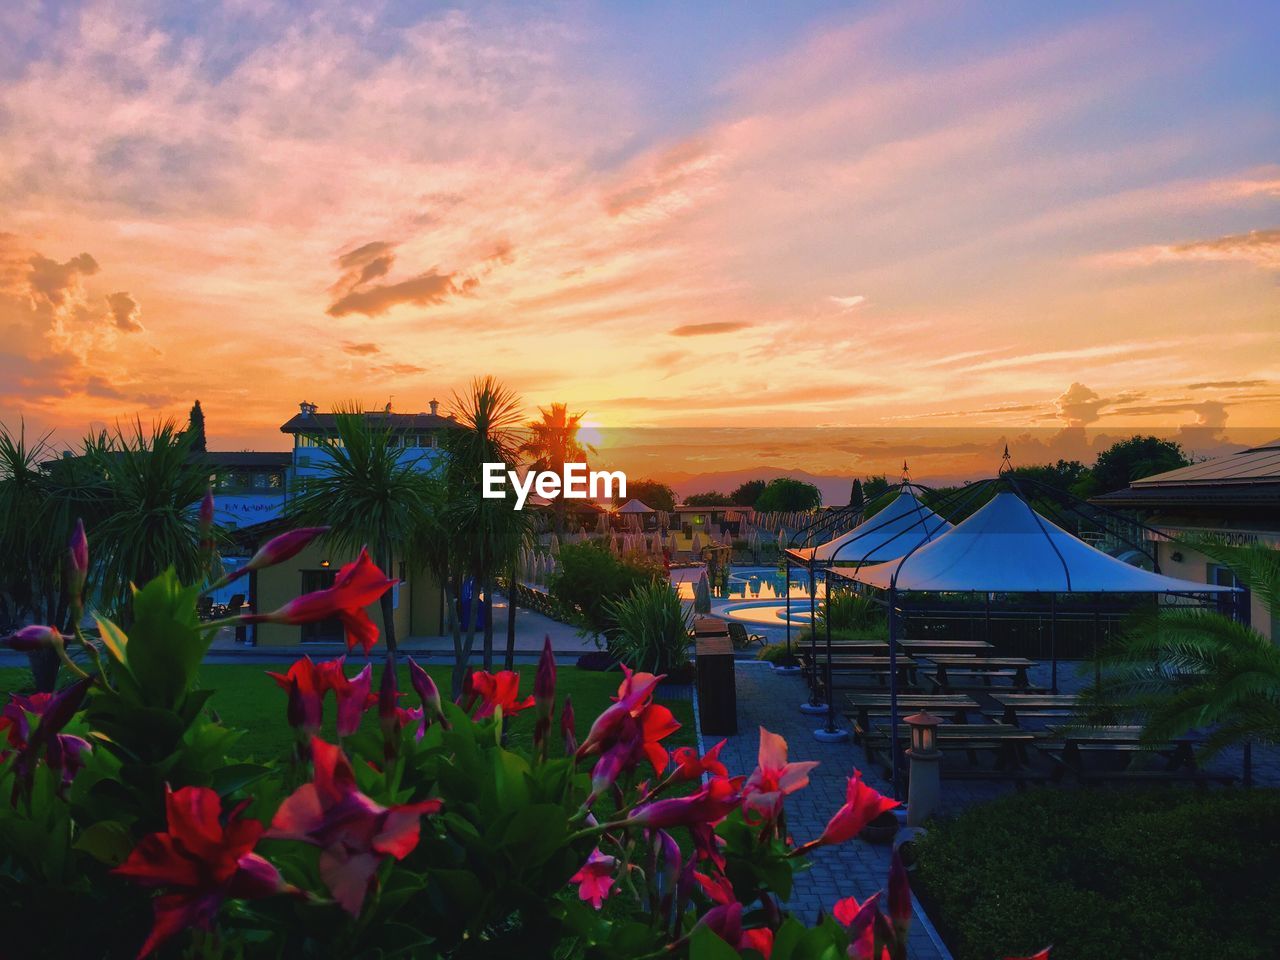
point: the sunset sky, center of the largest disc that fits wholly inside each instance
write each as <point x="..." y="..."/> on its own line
<point x="1005" y="215"/>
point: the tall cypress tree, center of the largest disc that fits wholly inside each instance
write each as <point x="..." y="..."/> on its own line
<point x="196" y="429"/>
<point x="856" y="499"/>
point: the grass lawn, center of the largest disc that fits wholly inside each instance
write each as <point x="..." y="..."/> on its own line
<point x="248" y="699"/>
<point x="1108" y="874"/>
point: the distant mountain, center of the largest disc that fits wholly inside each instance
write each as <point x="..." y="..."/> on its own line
<point x="834" y="489"/>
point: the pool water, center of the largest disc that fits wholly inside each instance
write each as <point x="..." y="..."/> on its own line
<point x="757" y="595"/>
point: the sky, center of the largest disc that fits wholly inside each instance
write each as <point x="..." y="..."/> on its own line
<point x="1035" y="219"/>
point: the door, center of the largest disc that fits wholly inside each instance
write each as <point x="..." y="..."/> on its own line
<point x="323" y="631"/>
<point x="1237" y="606"/>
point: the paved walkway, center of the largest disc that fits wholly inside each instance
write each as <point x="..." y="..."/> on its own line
<point x="855" y="868"/>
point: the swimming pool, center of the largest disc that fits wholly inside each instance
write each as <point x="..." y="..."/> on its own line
<point x="757" y="595"/>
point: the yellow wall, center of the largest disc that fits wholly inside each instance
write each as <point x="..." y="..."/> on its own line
<point x="1195" y="566"/>
<point x="417" y="612"/>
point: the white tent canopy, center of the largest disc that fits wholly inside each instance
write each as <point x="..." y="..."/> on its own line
<point x="1006" y="547"/>
<point x="902" y="525"/>
<point x="635" y="506"/>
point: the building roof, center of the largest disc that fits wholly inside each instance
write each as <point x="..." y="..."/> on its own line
<point x="405" y="422"/>
<point x="1255" y="465"/>
<point x="246" y="458"/>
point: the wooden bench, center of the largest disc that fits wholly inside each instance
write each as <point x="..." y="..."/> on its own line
<point x="1012" y="706"/>
<point x="925" y="648"/>
<point x="877" y="667"/>
<point x="863" y="706"/>
<point x="1068" y="745"/>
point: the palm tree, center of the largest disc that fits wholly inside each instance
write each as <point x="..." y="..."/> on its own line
<point x="553" y="442"/>
<point x="1185" y="668"/>
<point x="488" y="534"/>
<point x="368" y="495"/>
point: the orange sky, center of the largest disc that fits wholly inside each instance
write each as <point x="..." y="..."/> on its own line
<point x="918" y="215"/>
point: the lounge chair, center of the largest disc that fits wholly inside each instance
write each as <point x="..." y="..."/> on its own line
<point x="742" y="640"/>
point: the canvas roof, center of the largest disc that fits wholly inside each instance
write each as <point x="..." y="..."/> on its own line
<point x="903" y="524"/>
<point x="1006" y="547"/>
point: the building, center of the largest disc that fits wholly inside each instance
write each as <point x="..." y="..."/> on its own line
<point x="257" y="488"/>
<point x="1236" y="497"/>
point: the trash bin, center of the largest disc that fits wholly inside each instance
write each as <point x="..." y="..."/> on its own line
<point x="717" y="695"/>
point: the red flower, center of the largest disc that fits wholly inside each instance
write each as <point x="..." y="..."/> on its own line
<point x="725" y="920"/>
<point x="860" y="919"/>
<point x="711" y="804"/>
<point x="496" y="690"/>
<point x="1042" y="955"/>
<point x="204" y="860"/>
<point x="595" y="878"/>
<point x="689" y="766"/>
<point x="306" y="683"/>
<point x="862" y="805"/>
<point x="635" y="720"/>
<point x="774" y="778"/>
<point x="357" y="585"/>
<point x="353" y="832"/>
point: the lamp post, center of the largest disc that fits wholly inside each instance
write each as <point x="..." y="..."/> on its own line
<point x="926" y="768"/>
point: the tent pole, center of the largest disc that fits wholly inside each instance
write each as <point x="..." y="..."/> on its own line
<point x="831" y="700"/>
<point x="1053" y="638"/>
<point x="893" y="692"/>
<point x="813" y="635"/>
<point x="786" y="588"/>
<point x="1097" y="639"/>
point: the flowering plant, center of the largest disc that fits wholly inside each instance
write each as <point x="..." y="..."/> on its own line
<point x="429" y="833"/>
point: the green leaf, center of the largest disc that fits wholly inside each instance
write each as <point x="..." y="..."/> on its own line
<point x="114" y="639"/>
<point x="166" y="644"/>
<point x="107" y="841"/>
<point x="238" y="776"/>
<point x="705" y="944"/>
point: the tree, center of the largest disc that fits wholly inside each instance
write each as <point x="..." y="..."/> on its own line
<point x="788" y="494"/>
<point x="653" y="494"/>
<point x="489" y="533"/>
<point x="856" y="497"/>
<point x="1061" y="476"/>
<point x="1132" y="459"/>
<point x="553" y="442"/>
<point x="711" y="498"/>
<point x="367" y="495"/>
<point x="195" y="427"/>
<point x="148" y="522"/>
<point x="1186" y="668"/>
<point x="748" y="493"/>
<point x="873" y="487"/>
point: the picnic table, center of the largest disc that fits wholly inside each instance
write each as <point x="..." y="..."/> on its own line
<point x="926" y="648"/>
<point x="1008" y="744"/>
<point x="877" y="666"/>
<point x="987" y="668"/>
<point x="863" y="705"/>
<point x="1126" y="739"/>
<point x="1024" y="705"/>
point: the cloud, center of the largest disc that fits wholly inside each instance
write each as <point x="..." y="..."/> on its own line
<point x="124" y="312"/>
<point x="55" y="283"/>
<point x="708" y="329"/>
<point x="427" y="289"/>
<point x="361" y="349"/>
<point x="365" y="263"/>
<point x="1226" y="384"/>
<point x="1258" y="247"/>
<point x="1078" y="406"/>
<point x="848" y="303"/>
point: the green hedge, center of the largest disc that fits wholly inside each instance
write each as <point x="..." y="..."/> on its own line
<point x="1106" y="875"/>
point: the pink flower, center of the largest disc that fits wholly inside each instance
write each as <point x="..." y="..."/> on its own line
<point x="862" y="805"/>
<point x="689" y="766"/>
<point x="635" y="695"/>
<point x="595" y="878"/>
<point x="279" y="549"/>
<point x="353" y="696"/>
<point x="496" y="690"/>
<point x="567" y="727"/>
<point x="428" y="693"/>
<point x="203" y="860"/>
<point x="77" y="563"/>
<point x="354" y="833"/>
<point x="774" y="778"/>
<point x="357" y="585"/>
<point x="34" y="637"/>
<point x="711" y="804"/>
<point x="860" y="919"/>
<point x="62" y="752"/>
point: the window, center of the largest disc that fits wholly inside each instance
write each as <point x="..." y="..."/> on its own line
<point x="1237" y="606"/>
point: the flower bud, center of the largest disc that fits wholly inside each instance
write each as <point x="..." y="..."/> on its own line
<point x="77" y="563"/>
<point x="34" y="637"/>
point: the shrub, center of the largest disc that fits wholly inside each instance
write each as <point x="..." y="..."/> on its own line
<point x="651" y="628"/>
<point x="851" y="611"/>
<point x="1161" y="875"/>
<point x="590" y="575"/>
<point x="776" y="653"/>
